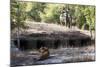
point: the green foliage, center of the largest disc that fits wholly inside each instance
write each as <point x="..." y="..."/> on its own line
<point x="34" y="13"/>
<point x="51" y="13"/>
<point x="82" y="16"/>
<point x="18" y="14"/>
<point x="85" y="16"/>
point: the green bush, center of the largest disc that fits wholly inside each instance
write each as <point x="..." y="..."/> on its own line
<point x="51" y="13"/>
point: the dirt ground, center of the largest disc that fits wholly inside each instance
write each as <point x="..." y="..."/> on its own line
<point x="61" y="55"/>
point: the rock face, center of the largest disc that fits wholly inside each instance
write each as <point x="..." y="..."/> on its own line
<point x="52" y="36"/>
<point x="35" y="41"/>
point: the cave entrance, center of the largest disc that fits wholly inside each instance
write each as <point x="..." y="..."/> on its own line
<point x="57" y="44"/>
<point x="23" y="44"/>
<point x="40" y="43"/>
